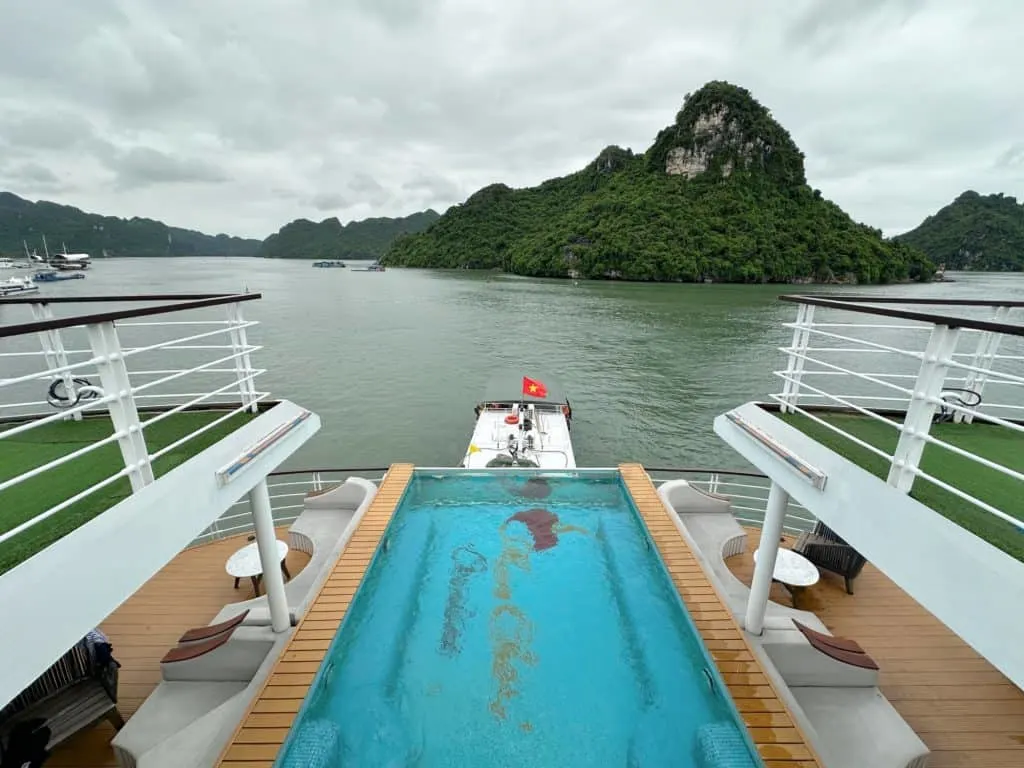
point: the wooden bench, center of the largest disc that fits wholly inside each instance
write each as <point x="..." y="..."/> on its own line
<point x="76" y="692"/>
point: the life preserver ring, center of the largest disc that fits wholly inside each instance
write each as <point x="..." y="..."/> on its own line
<point x="512" y="419"/>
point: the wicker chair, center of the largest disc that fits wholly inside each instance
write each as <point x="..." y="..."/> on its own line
<point x="827" y="549"/>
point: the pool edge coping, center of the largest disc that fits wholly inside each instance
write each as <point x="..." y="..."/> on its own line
<point x="635" y="473"/>
<point x="368" y="533"/>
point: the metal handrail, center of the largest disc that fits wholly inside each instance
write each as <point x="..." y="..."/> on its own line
<point x="855" y="304"/>
<point x="939" y="368"/>
<point x="183" y="302"/>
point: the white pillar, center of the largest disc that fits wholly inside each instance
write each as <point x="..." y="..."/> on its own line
<point x="266" y="542"/>
<point x="55" y="355"/>
<point x="767" y="551"/>
<point x="114" y="380"/>
<point x="243" y="361"/>
<point x="984" y="357"/>
<point x="931" y="377"/>
<point x="795" y="365"/>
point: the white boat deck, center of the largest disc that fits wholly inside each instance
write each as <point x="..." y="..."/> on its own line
<point x="552" y="445"/>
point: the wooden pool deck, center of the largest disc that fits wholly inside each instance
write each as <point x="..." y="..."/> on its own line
<point x="966" y="712"/>
<point x="262" y="732"/>
<point x="187" y="592"/>
<point x="779" y="739"/>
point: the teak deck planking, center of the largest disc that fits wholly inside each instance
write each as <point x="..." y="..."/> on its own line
<point x="187" y="592"/>
<point x="262" y="732"/>
<point x="779" y="739"/>
<point x="966" y="712"/>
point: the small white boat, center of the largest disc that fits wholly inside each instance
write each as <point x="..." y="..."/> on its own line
<point x="523" y="421"/>
<point x="17" y="285"/>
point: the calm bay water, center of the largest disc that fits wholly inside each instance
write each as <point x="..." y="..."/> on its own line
<point x="394" y="362"/>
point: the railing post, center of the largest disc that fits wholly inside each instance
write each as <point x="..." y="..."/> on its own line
<point x="795" y="365"/>
<point x="924" y="402"/>
<point x="106" y="349"/>
<point x="243" y="363"/>
<point x="984" y="356"/>
<point x="767" y="552"/>
<point x="55" y="355"/>
<point x="266" y="543"/>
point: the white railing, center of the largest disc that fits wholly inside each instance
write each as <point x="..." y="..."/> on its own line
<point x="287" y="490"/>
<point x="747" y="490"/>
<point x="901" y="364"/>
<point x="131" y="369"/>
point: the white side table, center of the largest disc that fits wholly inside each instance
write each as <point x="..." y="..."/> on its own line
<point x="793" y="571"/>
<point x="245" y="563"/>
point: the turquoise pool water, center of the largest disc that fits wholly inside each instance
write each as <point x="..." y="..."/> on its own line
<point x="517" y="620"/>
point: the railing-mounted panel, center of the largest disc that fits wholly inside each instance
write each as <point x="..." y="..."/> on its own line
<point x="963" y="580"/>
<point x="70" y="586"/>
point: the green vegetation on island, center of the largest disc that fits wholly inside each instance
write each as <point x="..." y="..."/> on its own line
<point x="721" y="195"/>
<point x="367" y="239"/>
<point x="22" y="221"/>
<point x="974" y="232"/>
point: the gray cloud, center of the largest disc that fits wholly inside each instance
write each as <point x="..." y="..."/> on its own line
<point x="223" y="119"/>
<point x="1013" y="156"/>
<point x="329" y="201"/>
<point x="823" y="23"/>
<point x="145" y="166"/>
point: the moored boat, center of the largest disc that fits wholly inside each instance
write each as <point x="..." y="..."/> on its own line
<point x="375" y="267"/>
<point x="54" y="275"/>
<point x="17" y="285"/>
<point x="329" y="264"/>
<point x="522" y="421"/>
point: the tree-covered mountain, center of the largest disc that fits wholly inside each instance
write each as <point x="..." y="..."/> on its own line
<point x="367" y="239"/>
<point x="721" y="195"/>
<point x="981" y="232"/>
<point x="22" y="220"/>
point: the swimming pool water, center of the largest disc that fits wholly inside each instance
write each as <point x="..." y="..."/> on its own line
<point x="517" y="620"/>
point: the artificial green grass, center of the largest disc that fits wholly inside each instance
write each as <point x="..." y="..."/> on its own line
<point x="992" y="442"/>
<point x="41" y="445"/>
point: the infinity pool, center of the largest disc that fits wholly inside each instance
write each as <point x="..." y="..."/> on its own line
<point x="517" y="620"/>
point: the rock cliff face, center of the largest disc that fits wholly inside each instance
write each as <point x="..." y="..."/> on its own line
<point x="722" y="128"/>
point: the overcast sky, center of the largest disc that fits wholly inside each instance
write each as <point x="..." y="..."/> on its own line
<point x="240" y="115"/>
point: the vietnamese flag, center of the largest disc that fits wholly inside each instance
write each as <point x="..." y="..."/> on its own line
<point x="534" y="388"/>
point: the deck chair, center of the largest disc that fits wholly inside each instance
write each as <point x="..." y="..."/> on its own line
<point x="827" y="549"/>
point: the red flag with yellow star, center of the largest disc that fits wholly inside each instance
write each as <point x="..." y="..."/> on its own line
<point x="534" y="388"/>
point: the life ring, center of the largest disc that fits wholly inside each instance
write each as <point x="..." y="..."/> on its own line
<point x="512" y="419"/>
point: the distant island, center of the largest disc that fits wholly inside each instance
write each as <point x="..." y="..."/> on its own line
<point x="721" y="195"/>
<point x="22" y="220"/>
<point x="974" y="232"/>
<point x="367" y="239"/>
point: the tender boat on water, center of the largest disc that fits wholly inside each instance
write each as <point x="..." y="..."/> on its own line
<point x="523" y="421"/>
<point x="17" y="285"/>
<point x="329" y="264"/>
<point x="54" y="275"/>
